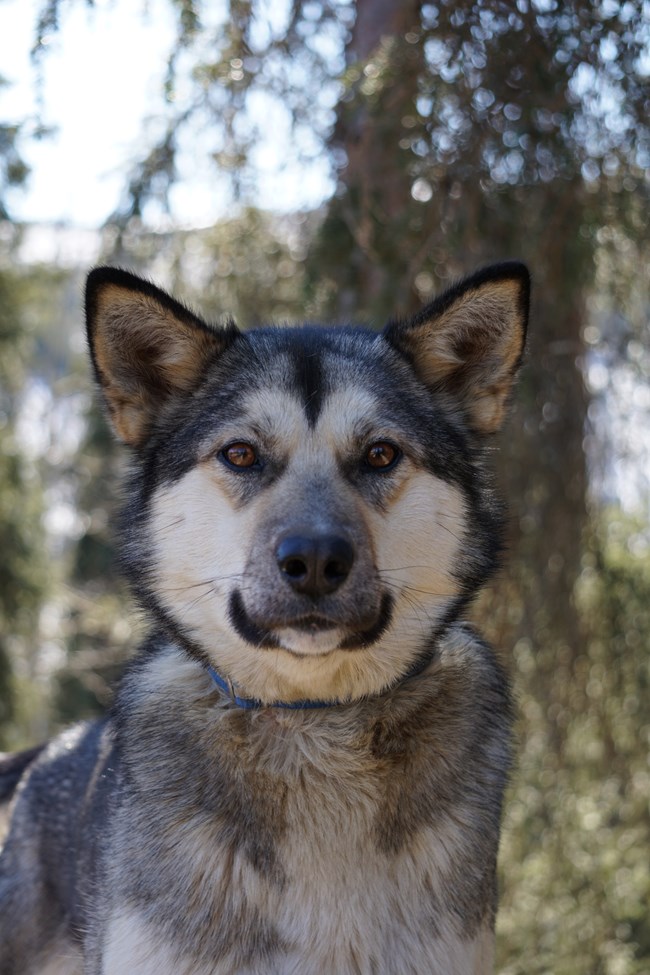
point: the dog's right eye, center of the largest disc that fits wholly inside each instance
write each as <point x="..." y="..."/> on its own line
<point x="382" y="456"/>
<point x="240" y="455"/>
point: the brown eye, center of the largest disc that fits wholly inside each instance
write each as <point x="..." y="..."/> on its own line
<point x="240" y="455"/>
<point x="381" y="456"/>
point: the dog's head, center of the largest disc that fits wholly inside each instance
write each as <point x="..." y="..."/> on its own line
<point x="308" y="507"/>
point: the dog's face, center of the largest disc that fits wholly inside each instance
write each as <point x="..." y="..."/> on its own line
<point x="308" y="506"/>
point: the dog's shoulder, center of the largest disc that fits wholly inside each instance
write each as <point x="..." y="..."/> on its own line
<point x="56" y="822"/>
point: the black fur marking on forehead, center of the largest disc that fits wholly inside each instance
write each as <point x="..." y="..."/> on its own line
<point x="306" y="353"/>
<point x="311" y="351"/>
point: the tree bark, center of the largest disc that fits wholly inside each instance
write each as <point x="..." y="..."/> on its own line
<point x="371" y="217"/>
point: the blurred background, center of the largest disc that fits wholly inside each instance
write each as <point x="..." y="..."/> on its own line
<point x="333" y="160"/>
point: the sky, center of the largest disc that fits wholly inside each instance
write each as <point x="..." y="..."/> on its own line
<point x="102" y="77"/>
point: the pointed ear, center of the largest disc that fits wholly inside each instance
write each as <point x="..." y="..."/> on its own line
<point x="468" y="343"/>
<point x="146" y="348"/>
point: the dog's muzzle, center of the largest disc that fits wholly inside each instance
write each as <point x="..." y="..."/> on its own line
<point x="311" y="588"/>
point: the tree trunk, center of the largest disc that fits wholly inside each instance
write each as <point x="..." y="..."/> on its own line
<point x="371" y="220"/>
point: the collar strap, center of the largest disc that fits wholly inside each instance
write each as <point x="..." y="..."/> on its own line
<point x="253" y="704"/>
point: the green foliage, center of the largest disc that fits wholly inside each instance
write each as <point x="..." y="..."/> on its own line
<point x="23" y="566"/>
<point x="576" y="887"/>
<point x="96" y="627"/>
<point x="13" y="170"/>
<point x="250" y="267"/>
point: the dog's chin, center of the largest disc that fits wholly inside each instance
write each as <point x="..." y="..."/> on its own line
<point x="312" y="642"/>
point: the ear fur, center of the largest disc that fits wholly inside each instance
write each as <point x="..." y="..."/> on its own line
<point x="146" y="348"/>
<point x="468" y="343"/>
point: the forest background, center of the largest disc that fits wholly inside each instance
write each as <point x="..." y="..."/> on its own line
<point x="445" y="136"/>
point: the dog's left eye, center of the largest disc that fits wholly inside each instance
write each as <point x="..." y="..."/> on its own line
<point x="240" y="455"/>
<point x="382" y="455"/>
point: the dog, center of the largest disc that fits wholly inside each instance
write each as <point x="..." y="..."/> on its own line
<point x="303" y="770"/>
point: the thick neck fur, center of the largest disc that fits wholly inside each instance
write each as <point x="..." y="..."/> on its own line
<point x="343" y="839"/>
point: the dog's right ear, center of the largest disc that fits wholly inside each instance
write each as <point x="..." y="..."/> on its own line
<point x="468" y="343"/>
<point x="146" y="348"/>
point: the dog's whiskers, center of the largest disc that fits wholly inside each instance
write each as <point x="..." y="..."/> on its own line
<point x="165" y="528"/>
<point x="401" y="588"/>
<point x="447" y="529"/>
<point x="194" y="585"/>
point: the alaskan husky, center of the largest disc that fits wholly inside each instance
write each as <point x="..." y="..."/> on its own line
<point x="304" y="767"/>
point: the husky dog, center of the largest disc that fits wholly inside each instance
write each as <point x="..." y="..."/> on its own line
<point x="303" y="770"/>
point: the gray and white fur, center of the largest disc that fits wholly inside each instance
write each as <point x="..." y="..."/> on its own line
<point x="303" y="770"/>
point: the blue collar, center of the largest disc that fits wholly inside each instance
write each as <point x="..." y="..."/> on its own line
<point x="253" y="704"/>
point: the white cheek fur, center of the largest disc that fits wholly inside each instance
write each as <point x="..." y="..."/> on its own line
<point x="202" y="545"/>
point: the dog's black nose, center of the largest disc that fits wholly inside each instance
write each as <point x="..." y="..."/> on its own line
<point x="315" y="566"/>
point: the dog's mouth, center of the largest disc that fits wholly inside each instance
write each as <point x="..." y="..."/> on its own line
<point x="310" y="634"/>
<point x="313" y="624"/>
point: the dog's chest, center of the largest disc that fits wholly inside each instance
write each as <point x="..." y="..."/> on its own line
<point x="301" y="852"/>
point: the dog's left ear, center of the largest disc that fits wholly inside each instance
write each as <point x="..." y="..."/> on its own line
<point x="147" y="349"/>
<point x="468" y="343"/>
